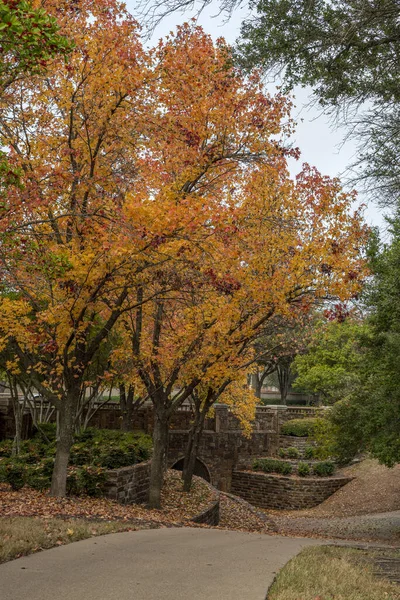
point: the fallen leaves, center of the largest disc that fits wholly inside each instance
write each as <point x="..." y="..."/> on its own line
<point x="178" y="508"/>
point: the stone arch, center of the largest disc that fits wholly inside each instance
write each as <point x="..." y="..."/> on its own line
<point x="200" y="468"/>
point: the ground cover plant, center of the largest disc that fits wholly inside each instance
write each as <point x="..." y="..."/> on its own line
<point x="271" y="465"/>
<point x="341" y="574"/>
<point x="93" y="453"/>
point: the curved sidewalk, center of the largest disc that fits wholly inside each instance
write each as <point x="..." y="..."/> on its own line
<point x="159" y="564"/>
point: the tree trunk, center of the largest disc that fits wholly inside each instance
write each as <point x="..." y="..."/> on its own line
<point x="126" y="402"/>
<point x="18" y="410"/>
<point x="65" y="438"/>
<point x="284" y="373"/>
<point x="192" y="449"/>
<point x="257" y="385"/>
<point x="160" y="443"/>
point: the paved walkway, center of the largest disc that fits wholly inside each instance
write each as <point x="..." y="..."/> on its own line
<point x="159" y="564"/>
<point x="379" y="527"/>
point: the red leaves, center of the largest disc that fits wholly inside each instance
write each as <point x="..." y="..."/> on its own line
<point x="338" y="313"/>
<point x="225" y="284"/>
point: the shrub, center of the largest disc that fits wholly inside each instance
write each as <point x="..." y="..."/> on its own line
<point x="86" y="480"/>
<point x="299" y="427"/>
<point x="282" y="452"/>
<point x="293" y="452"/>
<point x="6" y="448"/>
<point x="46" y="432"/>
<point x="309" y="452"/>
<point x="270" y="465"/>
<point x="13" y="473"/>
<point x="303" y="469"/>
<point x="324" y="468"/>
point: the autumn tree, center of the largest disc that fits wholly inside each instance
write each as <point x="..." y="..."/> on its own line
<point x="253" y="241"/>
<point x="156" y="197"/>
<point x="69" y="253"/>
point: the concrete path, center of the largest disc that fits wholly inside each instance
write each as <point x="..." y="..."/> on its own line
<point x="158" y="564"/>
<point x="378" y="527"/>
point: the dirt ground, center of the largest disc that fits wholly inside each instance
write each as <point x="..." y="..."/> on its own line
<point x="375" y="489"/>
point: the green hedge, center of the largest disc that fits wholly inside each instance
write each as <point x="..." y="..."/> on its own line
<point x="93" y="453"/>
<point x="270" y="465"/>
<point x="299" y="427"/>
<point x="324" y="469"/>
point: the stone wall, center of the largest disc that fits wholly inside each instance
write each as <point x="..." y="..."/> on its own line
<point x="279" y="492"/>
<point x="129" y="485"/>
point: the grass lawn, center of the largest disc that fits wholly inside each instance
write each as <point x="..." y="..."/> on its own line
<point x="23" y="535"/>
<point x="332" y="573"/>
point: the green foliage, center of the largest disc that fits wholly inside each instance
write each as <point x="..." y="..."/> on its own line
<point x="347" y="51"/>
<point x="282" y="453"/>
<point x="303" y="469"/>
<point x="309" y="452"/>
<point x="29" y="38"/>
<point x="343" y="49"/>
<point x="367" y="419"/>
<point x="92" y="455"/>
<point x="324" y="469"/>
<point x="330" y="367"/>
<point x="292" y="453"/>
<point x="299" y="427"/>
<point x="6" y="448"/>
<point x="270" y="465"/>
<point x="12" y="472"/>
<point x="86" y="480"/>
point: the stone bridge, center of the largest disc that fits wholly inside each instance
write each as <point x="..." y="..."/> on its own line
<point x="224" y="448"/>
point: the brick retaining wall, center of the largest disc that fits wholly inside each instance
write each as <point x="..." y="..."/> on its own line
<point x="129" y="485"/>
<point x="210" y="516"/>
<point x="276" y="491"/>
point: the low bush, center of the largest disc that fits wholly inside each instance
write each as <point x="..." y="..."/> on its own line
<point x="292" y="453"/>
<point x="309" y="452"/>
<point x="12" y="472"/>
<point x="86" y="480"/>
<point x="299" y="427"/>
<point x="303" y="469"/>
<point x="270" y="465"/>
<point x="282" y="452"/>
<point x="324" y="468"/>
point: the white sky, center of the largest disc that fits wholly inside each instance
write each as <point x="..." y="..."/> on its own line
<point x="321" y="145"/>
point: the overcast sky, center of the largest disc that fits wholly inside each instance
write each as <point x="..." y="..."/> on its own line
<point x="321" y="145"/>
